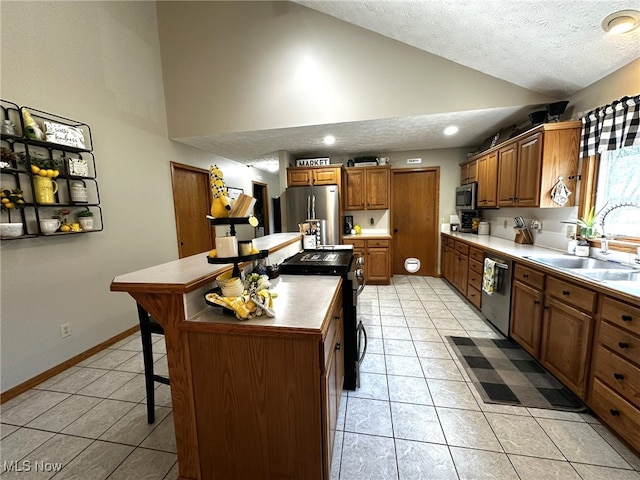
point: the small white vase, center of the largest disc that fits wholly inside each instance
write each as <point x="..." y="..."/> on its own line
<point x="86" y="223"/>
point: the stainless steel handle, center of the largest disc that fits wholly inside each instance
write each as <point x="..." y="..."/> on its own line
<point x="308" y="206"/>
<point x="361" y="285"/>
<point x="313" y="206"/>
<point x="502" y="265"/>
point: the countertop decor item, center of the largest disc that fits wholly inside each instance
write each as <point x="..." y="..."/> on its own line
<point x="588" y="224"/>
<point x="11" y="230"/>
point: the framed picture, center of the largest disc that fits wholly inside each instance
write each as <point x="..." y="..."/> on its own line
<point x="234" y="192"/>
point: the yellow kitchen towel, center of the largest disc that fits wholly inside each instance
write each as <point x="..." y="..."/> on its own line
<point x="489" y="277"/>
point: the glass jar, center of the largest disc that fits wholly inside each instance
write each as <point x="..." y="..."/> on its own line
<point x="7" y="127"/>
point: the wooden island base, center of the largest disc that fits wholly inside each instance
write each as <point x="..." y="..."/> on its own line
<point x="253" y="399"/>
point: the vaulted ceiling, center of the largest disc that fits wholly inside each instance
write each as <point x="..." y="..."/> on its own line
<point x="552" y="47"/>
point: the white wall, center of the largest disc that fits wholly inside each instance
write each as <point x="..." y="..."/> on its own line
<point x="97" y="62"/>
<point x="265" y="65"/>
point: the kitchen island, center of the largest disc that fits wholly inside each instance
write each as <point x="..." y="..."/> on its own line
<point x="256" y="398"/>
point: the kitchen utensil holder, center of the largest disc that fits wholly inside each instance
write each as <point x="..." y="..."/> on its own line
<point x="523" y="236"/>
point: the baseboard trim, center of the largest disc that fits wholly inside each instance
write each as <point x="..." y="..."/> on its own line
<point x="52" y="372"/>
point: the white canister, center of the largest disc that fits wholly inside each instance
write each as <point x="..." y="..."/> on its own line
<point x="78" y="192"/>
<point x="483" y="228"/>
<point x="309" y="242"/>
<point x="227" y="246"/>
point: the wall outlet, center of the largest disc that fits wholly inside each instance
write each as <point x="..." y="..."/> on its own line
<point x="536" y="225"/>
<point x="571" y="231"/>
<point x="65" y="330"/>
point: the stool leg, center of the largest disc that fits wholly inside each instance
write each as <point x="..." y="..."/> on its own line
<point x="147" y="357"/>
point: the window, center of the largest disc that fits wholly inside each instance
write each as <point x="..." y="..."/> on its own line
<point x="618" y="192"/>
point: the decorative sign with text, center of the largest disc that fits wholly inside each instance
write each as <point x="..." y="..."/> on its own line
<point x="312" y="162"/>
<point x="63" y="134"/>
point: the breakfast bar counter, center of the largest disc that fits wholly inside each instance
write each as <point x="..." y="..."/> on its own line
<point x="255" y="398"/>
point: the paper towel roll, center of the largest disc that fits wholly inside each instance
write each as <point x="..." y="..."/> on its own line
<point x="227" y="246"/>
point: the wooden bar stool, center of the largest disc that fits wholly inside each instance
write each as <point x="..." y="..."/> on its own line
<point x="148" y="325"/>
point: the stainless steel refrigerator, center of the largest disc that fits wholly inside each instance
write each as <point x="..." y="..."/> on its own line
<point x="320" y="203"/>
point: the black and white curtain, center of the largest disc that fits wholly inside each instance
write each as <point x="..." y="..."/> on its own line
<point x="611" y="127"/>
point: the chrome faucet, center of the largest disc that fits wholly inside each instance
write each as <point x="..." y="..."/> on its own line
<point x="604" y="246"/>
<point x="608" y="210"/>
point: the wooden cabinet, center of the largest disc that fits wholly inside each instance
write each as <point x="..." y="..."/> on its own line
<point x="487" y="180"/>
<point x="377" y="258"/>
<point x="565" y="347"/>
<point x="614" y="394"/>
<point x="461" y="265"/>
<point x="366" y="188"/>
<point x="526" y="308"/>
<point x="309" y="176"/>
<point x="469" y="172"/>
<point x="332" y="382"/>
<point x="527" y="167"/>
<point x="519" y="172"/>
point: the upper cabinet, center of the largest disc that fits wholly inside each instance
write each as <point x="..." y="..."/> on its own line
<point x="309" y="176"/>
<point x="469" y="172"/>
<point x="366" y="188"/>
<point x="528" y="167"/>
<point x="487" y="173"/>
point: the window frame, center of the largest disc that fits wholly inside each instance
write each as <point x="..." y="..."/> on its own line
<point x="589" y="174"/>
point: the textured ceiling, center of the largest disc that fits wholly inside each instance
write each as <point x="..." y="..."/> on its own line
<point x="548" y="46"/>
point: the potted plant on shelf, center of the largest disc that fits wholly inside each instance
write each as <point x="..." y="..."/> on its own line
<point x="85" y="219"/>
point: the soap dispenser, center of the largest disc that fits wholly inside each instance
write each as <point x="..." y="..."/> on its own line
<point x="571" y="246"/>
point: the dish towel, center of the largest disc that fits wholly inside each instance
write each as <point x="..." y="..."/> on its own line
<point x="560" y="193"/>
<point x="489" y="277"/>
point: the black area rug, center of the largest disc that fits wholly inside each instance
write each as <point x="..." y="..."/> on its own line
<point x="504" y="373"/>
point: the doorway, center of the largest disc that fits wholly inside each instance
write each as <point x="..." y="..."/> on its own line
<point x="415" y="194"/>
<point x="261" y="208"/>
<point x="191" y="205"/>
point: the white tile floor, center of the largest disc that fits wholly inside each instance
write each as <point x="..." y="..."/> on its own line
<point x="416" y="415"/>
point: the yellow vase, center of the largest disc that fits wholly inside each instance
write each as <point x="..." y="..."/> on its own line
<point x="45" y="189"/>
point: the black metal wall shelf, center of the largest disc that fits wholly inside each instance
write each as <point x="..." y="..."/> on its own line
<point x="19" y="170"/>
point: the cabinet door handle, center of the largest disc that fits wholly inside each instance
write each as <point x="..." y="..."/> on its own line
<point x="623" y="345"/>
<point x="536" y="302"/>
<point x="614" y="412"/>
<point x="337" y="346"/>
<point x="546" y="307"/>
<point x="618" y="376"/>
<point x="566" y="292"/>
<point x="525" y="275"/>
<point x="626" y="318"/>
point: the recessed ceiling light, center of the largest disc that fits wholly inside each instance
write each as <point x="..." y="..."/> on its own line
<point x="329" y="140"/>
<point x="451" y="130"/>
<point x="621" y="22"/>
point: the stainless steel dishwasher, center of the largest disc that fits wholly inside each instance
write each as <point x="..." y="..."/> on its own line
<point x="496" y="307"/>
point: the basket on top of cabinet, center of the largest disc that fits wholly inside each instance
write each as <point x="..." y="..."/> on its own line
<point x="48" y="173"/>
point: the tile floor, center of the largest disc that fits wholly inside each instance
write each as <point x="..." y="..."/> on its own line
<point x="416" y="415"/>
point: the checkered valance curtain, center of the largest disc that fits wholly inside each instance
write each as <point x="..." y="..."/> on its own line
<point x="611" y="127"/>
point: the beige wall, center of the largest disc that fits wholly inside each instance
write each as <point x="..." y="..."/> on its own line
<point x="625" y="81"/>
<point x="98" y="63"/>
<point x="244" y="66"/>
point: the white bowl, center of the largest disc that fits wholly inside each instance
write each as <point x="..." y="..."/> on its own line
<point x="11" y="229"/>
<point x="223" y="277"/>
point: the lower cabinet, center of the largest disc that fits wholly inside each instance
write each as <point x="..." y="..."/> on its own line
<point x="566" y="342"/>
<point x="527" y="297"/>
<point x="332" y="384"/>
<point x="614" y="393"/>
<point x="461" y="265"/>
<point x="377" y="258"/>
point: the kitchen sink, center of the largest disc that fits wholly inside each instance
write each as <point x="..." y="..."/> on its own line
<point x="611" y="275"/>
<point x="571" y="263"/>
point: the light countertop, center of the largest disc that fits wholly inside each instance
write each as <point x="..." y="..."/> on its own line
<point x="520" y="252"/>
<point x="189" y="272"/>
<point x="366" y="235"/>
<point x="302" y="304"/>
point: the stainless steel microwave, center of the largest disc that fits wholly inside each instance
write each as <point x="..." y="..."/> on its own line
<point x="466" y="196"/>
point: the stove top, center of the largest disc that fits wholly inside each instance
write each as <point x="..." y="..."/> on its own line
<point x="318" y="262"/>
